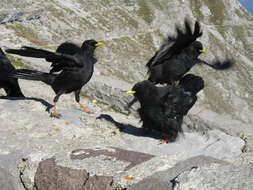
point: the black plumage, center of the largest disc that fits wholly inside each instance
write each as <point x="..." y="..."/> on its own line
<point x="75" y="66"/>
<point x="191" y="84"/>
<point x="162" y="108"/>
<point x="10" y="85"/>
<point x="179" y="54"/>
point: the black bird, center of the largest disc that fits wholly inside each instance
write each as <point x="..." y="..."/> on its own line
<point x="154" y="112"/>
<point x="75" y="66"/>
<point x="10" y="85"/>
<point x="163" y="108"/>
<point x="179" y="54"/>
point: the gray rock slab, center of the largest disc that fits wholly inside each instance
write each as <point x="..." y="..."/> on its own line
<point x="8" y="181"/>
<point x="9" y="174"/>
<point x="217" y="177"/>
<point x="165" y="180"/>
<point x="212" y="143"/>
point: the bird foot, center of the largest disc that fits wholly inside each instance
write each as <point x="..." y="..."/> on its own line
<point x="86" y="111"/>
<point x="164" y="141"/>
<point x="55" y="115"/>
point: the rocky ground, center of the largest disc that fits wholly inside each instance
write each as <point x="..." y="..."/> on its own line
<point x="106" y="149"/>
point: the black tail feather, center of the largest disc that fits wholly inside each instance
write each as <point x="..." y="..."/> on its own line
<point x="33" y="75"/>
<point x="218" y="65"/>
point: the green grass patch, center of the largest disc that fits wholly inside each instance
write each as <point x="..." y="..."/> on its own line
<point x="86" y="95"/>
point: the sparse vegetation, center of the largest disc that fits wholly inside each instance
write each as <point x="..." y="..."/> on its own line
<point x="17" y="62"/>
<point x="26" y="32"/>
<point x="145" y="11"/>
<point x="217" y="8"/>
<point x="115" y="109"/>
<point x="86" y="95"/>
<point x="157" y="4"/>
<point x="104" y="105"/>
<point x="196" y="7"/>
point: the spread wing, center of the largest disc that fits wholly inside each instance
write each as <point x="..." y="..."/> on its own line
<point x="175" y="44"/>
<point x="65" y="48"/>
<point x="62" y="59"/>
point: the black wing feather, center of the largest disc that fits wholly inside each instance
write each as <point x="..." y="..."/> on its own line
<point x="61" y="58"/>
<point x="65" y="48"/>
<point x="174" y="45"/>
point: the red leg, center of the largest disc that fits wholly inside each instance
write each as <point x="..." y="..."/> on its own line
<point x="55" y="114"/>
<point x="84" y="109"/>
<point x="164" y="141"/>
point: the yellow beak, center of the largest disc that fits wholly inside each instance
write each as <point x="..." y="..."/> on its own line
<point x="99" y="44"/>
<point x="203" y="51"/>
<point x="130" y="92"/>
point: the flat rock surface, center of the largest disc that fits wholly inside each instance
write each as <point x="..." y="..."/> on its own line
<point x="101" y="143"/>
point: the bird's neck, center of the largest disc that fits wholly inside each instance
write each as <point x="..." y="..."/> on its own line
<point x="88" y="50"/>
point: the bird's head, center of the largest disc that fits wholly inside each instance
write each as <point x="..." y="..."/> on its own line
<point x="198" y="47"/>
<point x="142" y="90"/>
<point x="91" y="44"/>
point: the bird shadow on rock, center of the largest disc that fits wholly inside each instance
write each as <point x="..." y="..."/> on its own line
<point x="130" y="129"/>
<point x="42" y="101"/>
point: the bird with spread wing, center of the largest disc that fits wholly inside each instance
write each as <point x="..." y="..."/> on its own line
<point x="179" y="54"/>
<point x="10" y="85"/>
<point x="74" y="65"/>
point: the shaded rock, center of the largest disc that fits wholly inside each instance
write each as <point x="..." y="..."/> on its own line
<point x="217" y="177"/>
<point x="50" y="176"/>
<point x="35" y="15"/>
<point x="2" y="18"/>
<point x="99" y="183"/>
<point x="16" y="17"/>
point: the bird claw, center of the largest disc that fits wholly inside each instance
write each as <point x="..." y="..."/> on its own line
<point x="58" y="116"/>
